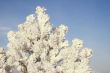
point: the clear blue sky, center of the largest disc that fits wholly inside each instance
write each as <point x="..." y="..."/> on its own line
<point x="88" y="20"/>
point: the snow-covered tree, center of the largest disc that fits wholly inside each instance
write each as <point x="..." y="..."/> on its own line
<point x="37" y="47"/>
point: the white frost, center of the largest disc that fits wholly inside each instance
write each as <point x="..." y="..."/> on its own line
<point x="37" y="47"/>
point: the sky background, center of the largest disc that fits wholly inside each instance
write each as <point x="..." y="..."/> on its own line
<point x="88" y="20"/>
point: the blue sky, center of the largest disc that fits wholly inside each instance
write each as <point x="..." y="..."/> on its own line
<point x="88" y="20"/>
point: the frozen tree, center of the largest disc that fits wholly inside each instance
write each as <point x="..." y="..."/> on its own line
<point x="37" y="47"/>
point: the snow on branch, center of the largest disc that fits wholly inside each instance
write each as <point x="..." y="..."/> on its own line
<point x="37" y="47"/>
